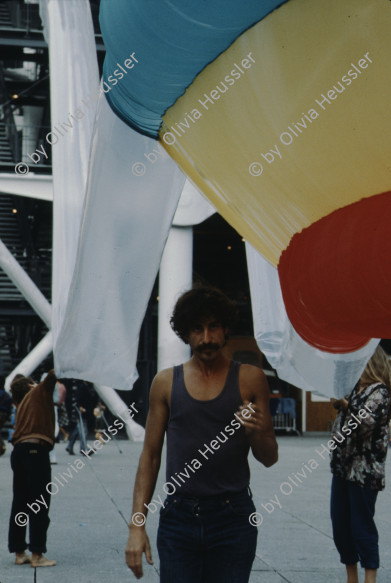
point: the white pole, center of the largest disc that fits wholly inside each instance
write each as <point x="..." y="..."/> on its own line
<point x="27" y="287"/>
<point x="118" y="408"/>
<point x="175" y="277"/>
<point x="33" y="359"/>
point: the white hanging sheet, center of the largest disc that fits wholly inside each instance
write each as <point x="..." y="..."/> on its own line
<point x="129" y="209"/>
<point x="74" y="84"/>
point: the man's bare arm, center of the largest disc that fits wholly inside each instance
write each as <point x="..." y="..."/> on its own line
<point x="259" y="427"/>
<point x="148" y="470"/>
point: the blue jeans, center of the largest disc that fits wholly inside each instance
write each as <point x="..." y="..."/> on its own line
<point x="79" y="431"/>
<point x="206" y="540"/>
<point x="354" y="530"/>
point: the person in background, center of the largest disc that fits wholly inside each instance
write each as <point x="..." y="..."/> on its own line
<point x="358" y="467"/>
<point x="63" y="420"/>
<point x="81" y="400"/>
<point x="100" y="424"/>
<point x="33" y="439"/>
<point x="11" y="430"/>
<point x="5" y="413"/>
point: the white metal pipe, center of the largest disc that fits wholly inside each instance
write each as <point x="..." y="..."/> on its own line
<point x="33" y="359"/>
<point x="175" y="277"/>
<point x="25" y="285"/>
<point x="304" y="411"/>
<point x="118" y="408"/>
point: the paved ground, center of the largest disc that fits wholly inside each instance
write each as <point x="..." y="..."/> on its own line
<point x="89" y="516"/>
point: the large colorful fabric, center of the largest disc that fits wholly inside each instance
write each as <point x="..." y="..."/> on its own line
<point x="155" y="49"/>
<point x="295" y="360"/>
<point x="286" y="118"/>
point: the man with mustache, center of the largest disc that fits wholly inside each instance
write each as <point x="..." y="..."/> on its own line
<point x="212" y="410"/>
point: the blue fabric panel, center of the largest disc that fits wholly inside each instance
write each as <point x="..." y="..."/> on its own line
<point x="172" y="41"/>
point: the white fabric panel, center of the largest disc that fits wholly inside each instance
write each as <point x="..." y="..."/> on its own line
<point x="296" y="361"/>
<point x="33" y="186"/>
<point x="193" y="207"/>
<point x="125" y="224"/>
<point x="74" y="76"/>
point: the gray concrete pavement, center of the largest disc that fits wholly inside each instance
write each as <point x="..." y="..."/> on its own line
<point x="89" y="516"/>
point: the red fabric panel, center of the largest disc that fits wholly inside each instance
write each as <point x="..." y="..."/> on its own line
<point x="336" y="277"/>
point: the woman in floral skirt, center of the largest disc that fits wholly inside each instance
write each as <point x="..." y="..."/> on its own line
<point x="360" y="435"/>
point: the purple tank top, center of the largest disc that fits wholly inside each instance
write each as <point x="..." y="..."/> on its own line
<point x="207" y="447"/>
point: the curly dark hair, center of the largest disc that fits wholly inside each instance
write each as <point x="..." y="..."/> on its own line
<point x="199" y="303"/>
<point x="20" y="386"/>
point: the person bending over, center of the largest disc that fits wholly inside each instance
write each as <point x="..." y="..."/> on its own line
<point x="33" y="439"/>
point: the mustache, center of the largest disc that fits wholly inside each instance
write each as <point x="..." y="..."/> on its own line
<point x="208" y="346"/>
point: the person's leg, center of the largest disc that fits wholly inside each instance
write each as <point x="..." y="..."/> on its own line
<point x="74" y="435"/>
<point x="179" y="542"/>
<point x="38" y="480"/>
<point x="65" y="434"/>
<point x="342" y="530"/>
<point x="230" y="540"/>
<point x="3" y="419"/>
<point x="352" y="573"/>
<point x="19" y="511"/>
<point x="370" y="575"/>
<point x="83" y="431"/>
<point x="365" y="535"/>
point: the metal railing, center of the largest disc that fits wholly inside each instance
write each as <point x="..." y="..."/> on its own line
<point x="9" y="122"/>
<point x="31" y="145"/>
<point x="24" y="16"/>
<point x="12" y="133"/>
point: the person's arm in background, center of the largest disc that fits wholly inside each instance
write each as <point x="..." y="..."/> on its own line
<point x="340" y="404"/>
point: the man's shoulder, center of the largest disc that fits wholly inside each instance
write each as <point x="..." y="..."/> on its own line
<point x="251" y="372"/>
<point x="161" y="385"/>
<point x="252" y="382"/>
<point x="164" y="378"/>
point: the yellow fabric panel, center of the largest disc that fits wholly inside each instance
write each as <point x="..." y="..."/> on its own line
<point x="339" y="155"/>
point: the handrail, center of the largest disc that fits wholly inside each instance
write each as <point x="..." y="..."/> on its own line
<point x="12" y="133"/>
<point x="24" y="16"/>
<point x="9" y="122"/>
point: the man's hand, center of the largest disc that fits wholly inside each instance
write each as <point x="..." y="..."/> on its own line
<point x="253" y="419"/>
<point x="255" y="416"/>
<point x="138" y="543"/>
